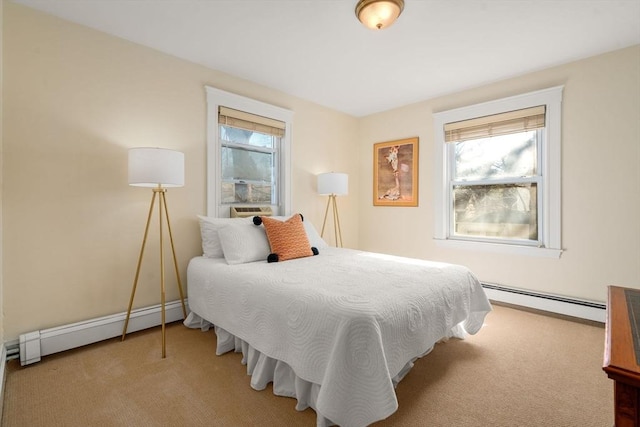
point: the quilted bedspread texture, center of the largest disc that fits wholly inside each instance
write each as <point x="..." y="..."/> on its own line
<point x="348" y="320"/>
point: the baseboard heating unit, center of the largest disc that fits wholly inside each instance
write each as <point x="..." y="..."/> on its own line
<point x="34" y="345"/>
<point x="547" y="302"/>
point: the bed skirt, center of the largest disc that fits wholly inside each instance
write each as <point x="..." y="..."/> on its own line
<point x="264" y="369"/>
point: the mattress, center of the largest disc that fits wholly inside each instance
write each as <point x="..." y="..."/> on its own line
<point x="346" y="324"/>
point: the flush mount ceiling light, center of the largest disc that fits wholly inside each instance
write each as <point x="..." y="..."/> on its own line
<point x="379" y="14"/>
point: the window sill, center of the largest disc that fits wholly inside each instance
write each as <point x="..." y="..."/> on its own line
<point x="499" y="248"/>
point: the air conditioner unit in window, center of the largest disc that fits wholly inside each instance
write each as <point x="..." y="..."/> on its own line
<point x="243" y="212"/>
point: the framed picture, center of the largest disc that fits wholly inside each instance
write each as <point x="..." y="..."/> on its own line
<point x="395" y="173"/>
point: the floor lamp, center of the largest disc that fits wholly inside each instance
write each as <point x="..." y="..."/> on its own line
<point x="158" y="169"/>
<point x="333" y="184"/>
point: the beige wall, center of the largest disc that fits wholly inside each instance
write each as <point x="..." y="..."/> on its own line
<point x="75" y="101"/>
<point x="600" y="181"/>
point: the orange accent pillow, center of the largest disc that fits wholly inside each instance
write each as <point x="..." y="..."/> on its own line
<point x="288" y="239"/>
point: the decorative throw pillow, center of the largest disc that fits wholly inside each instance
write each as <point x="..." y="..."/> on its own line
<point x="288" y="239"/>
<point x="312" y="234"/>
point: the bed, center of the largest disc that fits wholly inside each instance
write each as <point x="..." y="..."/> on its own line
<point x="337" y="330"/>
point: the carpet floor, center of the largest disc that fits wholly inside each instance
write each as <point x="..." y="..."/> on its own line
<point x="522" y="369"/>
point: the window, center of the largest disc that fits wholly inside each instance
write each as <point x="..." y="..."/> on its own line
<point x="499" y="170"/>
<point x="248" y="154"/>
<point x="249" y="157"/>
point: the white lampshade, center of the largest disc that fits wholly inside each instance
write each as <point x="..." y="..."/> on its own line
<point x="333" y="183"/>
<point x="150" y="167"/>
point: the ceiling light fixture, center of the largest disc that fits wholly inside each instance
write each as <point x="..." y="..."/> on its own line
<point x="379" y="14"/>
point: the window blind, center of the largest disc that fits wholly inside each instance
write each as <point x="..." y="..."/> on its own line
<point x="243" y="120"/>
<point x="496" y="124"/>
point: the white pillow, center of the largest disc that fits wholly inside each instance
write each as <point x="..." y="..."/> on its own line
<point x="314" y="238"/>
<point x="209" y="227"/>
<point x="244" y="242"/>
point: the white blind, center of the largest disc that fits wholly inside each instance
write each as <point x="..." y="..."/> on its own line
<point x="496" y="124"/>
<point x="243" y="120"/>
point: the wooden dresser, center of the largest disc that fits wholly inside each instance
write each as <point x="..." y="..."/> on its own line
<point x="622" y="353"/>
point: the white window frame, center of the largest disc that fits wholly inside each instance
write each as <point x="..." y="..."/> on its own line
<point x="217" y="98"/>
<point x="550" y="207"/>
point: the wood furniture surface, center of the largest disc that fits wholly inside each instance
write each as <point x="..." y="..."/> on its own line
<point x="622" y="353"/>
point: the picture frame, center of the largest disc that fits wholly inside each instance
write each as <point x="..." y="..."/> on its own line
<point x="395" y="173"/>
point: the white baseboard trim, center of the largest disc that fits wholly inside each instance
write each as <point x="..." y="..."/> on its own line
<point x="34" y="345"/>
<point x="582" y="309"/>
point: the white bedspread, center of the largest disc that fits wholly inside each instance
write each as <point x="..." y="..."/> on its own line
<point x="346" y="320"/>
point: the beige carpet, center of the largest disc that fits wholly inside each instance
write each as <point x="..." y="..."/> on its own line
<point x="521" y="369"/>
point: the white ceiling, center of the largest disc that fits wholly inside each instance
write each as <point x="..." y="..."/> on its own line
<point x="317" y="50"/>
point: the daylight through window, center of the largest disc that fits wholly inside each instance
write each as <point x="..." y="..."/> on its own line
<point x="495" y="176"/>
<point x="498" y="175"/>
<point x="248" y="154"/>
<point x="249" y="157"/>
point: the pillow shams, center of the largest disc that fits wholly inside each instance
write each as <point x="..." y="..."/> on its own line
<point x="212" y="247"/>
<point x="314" y="237"/>
<point x="243" y="242"/>
<point x="209" y="227"/>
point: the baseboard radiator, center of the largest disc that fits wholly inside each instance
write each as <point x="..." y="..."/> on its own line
<point x="34" y="345"/>
<point x="583" y="309"/>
